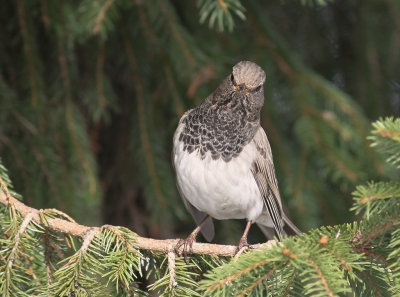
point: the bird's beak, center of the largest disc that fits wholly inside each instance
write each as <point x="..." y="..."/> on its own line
<point x="238" y="88"/>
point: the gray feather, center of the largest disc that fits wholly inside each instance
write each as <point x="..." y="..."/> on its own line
<point x="264" y="174"/>
<point x="268" y="231"/>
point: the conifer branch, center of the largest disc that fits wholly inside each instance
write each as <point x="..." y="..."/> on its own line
<point x="236" y="275"/>
<point x="154" y="245"/>
<point x="222" y="4"/>
<point x="100" y="74"/>
<point x="256" y="283"/>
<point x="88" y="237"/>
<point x="149" y="32"/>
<point x="322" y="277"/>
<point x="47" y="257"/>
<point x="101" y="15"/>
<point x="176" y="34"/>
<point x="6" y="283"/>
<point x="28" y="52"/>
<point x="332" y="157"/>
<point x="45" y="14"/>
<point x="69" y="115"/>
<point x="5" y="189"/>
<point x="145" y="139"/>
<point x="21" y="230"/>
<point x="171" y="268"/>
<point x="71" y="276"/>
<point x="379" y="230"/>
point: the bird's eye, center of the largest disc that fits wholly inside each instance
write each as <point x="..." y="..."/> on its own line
<point x="257" y="89"/>
<point x="233" y="80"/>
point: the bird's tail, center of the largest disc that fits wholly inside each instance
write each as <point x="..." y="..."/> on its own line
<point x="269" y="232"/>
<point x="288" y="229"/>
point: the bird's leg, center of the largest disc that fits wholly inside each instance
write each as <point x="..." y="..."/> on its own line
<point x="243" y="241"/>
<point x="188" y="242"/>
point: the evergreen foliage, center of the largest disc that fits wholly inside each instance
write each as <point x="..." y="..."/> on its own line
<point x="91" y="92"/>
<point x="360" y="259"/>
<point x="219" y="13"/>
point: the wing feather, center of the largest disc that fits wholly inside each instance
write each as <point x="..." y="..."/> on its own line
<point x="264" y="174"/>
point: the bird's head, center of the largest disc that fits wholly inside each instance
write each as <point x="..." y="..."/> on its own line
<point x="247" y="77"/>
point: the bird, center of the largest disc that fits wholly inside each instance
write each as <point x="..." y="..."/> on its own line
<point x="223" y="160"/>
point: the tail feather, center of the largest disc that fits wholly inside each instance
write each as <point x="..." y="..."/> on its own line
<point x="288" y="229"/>
<point x="289" y="225"/>
<point x="269" y="232"/>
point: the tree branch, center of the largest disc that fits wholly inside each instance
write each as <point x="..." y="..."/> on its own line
<point x="21" y="231"/>
<point x="154" y="245"/>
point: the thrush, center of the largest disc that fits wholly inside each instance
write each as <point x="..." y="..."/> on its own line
<point x="223" y="160"/>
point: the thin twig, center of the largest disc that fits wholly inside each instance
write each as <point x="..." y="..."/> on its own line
<point x="28" y="218"/>
<point x="87" y="239"/>
<point x="256" y="283"/>
<point x="237" y="274"/>
<point x="58" y="212"/>
<point x="5" y="189"/>
<point x="322" y="278"/>
<point x="101" y="15"/>
<point x="171" y="267"/>
<point x="47" y="257"/>
<point x="222" y="4"/>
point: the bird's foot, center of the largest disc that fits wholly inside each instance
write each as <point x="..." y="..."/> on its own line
<point x="186" y="243"/>
<point x="242" y="246"/>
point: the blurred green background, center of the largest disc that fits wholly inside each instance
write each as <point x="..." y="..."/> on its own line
<point x="91" y="93"/>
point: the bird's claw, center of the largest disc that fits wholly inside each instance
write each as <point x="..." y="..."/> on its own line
<point x="177" y="247"/>
<point x="186" y="243"/>
<point x="242" y="246"/>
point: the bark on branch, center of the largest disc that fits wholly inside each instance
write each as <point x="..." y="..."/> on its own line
<point x="155" y="245"/>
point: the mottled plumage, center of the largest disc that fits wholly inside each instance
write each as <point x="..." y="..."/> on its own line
<point x="223" y="159"/>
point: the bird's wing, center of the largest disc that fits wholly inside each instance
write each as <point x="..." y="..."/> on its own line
<point x="208" y="227"/>
<point x="264" y="174"/>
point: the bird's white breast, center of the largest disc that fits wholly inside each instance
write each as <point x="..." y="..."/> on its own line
<point x="224" y="190"/>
